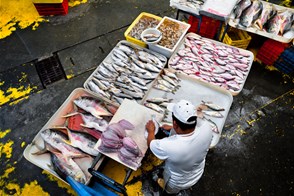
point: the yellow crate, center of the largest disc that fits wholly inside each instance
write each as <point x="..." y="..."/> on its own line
<point x="47" y="1"/>
<point x="134" y="40"/>
<point x="237" y="38"/>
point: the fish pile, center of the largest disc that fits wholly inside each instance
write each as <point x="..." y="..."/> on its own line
<point x="157" y="104"/>
<point x="115" y="140"/>
<point x="167" y="81"/>
<point x="218" y="64"/>
<point x="145" y="22"/>
<point x="194" y="4"/>
<point x="77" y="138"/>
<point x="126" y="73"/>
<point x="171" y="33"/>
<point x="263" y="16"/>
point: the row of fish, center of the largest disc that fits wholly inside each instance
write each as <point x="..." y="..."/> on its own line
<point x="167" y="81"/>
<point x="263" y="16"/>
<point x="194" y="4"/>
<point x="144" y="22"/>
<point x="77" y="137"/>
<point x="208" y="61"/>
<point x="126" y="73"/>
<point x="115" y="140"/>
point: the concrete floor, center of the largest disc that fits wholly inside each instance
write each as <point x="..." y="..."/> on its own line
<point x="254" y="156"/>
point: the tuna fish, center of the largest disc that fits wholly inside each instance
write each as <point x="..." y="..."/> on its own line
<point x="251" y="14"/>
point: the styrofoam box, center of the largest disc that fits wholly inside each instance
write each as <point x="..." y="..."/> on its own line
<point x="43" y="161"/>
<point x="195" y="91"/>
<point x="166" y="51"/>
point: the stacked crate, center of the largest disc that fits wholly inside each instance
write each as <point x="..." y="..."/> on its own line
<point x="208" y="26"/>
<point x="285" y="62"/>
<point x="237" y="38"/>
<point x="51" y="7"/>
<point x="270" y="51"/>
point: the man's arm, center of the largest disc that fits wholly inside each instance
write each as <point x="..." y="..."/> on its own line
<point x="151" y="132"/>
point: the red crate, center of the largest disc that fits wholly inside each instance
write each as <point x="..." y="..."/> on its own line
<point x="45" y="9"/>
<point x="270" y="51"/>
<point x="208" y="26"/>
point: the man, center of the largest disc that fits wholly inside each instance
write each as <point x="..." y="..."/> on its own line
<point x="185" y="149"/>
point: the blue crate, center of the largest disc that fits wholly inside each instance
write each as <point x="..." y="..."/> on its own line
<point x="285" y="62"/>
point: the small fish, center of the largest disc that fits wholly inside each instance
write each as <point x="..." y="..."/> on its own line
<point x="170" y="74"/>
<point x="138" y="80"/>
<point x="215" y="114"/>
<point x="213" y="106"/>
<point x="158" y="100"/>
<point x="154" y="107"/>
<point x="151" y="67"/>
<point x="163" y="88"/>
<point x="95" y="88"/>
<point x="165" y="83"/>
<point x="136" y="95"/>
<point x="168" y="79"/>
<point x="92" y="106"/>
<point x="214" y="127"/>
<point x="102" y="86"/>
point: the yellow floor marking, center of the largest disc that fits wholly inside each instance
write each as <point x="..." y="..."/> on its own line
<point x="14" y="93"/>
<point x="4" y="133"/>
<point x="6" y="149"/>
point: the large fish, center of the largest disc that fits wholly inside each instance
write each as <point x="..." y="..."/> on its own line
<point x="251" y="14"/>
<point x="83" y="142"/>
<point x="92" y="106"/>
<point x="281" y="23"/>
<point x="240" y="7"/>
<point x="56" y="140"/>
<point x="267" y="13"/>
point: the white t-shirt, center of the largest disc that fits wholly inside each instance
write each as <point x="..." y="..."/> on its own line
<point x="184" y="155"/>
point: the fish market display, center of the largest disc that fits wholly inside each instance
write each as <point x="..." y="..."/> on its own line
<point x="171" y="33"/>
<point x="218" y="64"/>
<point x="125" y="73"/>
<point x="115" y="140"/>
<point x="264" y="17"/>
<point x="72" y="143"/>
<point x="145" y="22"/>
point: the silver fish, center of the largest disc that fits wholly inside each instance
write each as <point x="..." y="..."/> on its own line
<point x="165" y="83"/>
<point x="240" y="7"/>
<point x="158" y="100"/>
<point x="170" y="74"/>
<point x="213" y="106"/>
<point x="215" y="114"/>
<point x="146" y="76"/>
<point x="101" y="85"/>
<point x="93" y="87"/>
<point x="154" y="107"/>
<point x="136" y="95"/>
<point x="100" y="77"/>
<point x="151" y="67"/>
<point x="119" y="100"/>
<point x="127" y="50"/>
<point x="214" y="127"/>
<point x="163" y="88"/>
<point x="168" y="79"/>
<point x="138" y="80"/>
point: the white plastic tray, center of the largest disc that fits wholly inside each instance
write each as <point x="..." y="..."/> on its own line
<point x="109" y="59"/>
<point x="177" y="5"/>
<point x="44" y="160"/>
<point x="166" y="51"/>
<point x="181" y="46"/>
<point x="194" y="90"/>
<point x="252" y="29"/>
<point x="138" y="115"/>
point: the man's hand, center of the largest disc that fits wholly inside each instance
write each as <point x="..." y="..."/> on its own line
<point x="150" y="127"/>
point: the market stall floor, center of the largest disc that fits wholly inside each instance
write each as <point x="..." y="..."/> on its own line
<point x="254" y="155"/>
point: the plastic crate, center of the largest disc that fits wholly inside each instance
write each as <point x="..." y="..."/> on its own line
<point x="208" y="26"/>
<point x="134" y="40"/>
<point x="270" y="51"/>
<point x="285" y="62"/>
<point x="237" y="38"/>
<point x="45" y="9"/>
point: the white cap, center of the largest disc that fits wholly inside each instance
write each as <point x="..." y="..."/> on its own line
<point x="183" y="110"/>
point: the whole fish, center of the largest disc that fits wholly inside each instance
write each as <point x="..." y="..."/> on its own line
<point x="135" y="95"/>
<point x="215" y="114"/>
<point x="158" y="100"/>
<point x="163" y="88"/>
<point x="213" y="106"/>
<point x="170" y="74"/>
<point x="83" y="142"/>
<point x="92" y="106"/>
<point x="65" y="166"/>
<point x="151" y="67"/>
<point x="55" y="139"/>
<point x="154" y="107"/>
<point x="251" y="14"/>
<point x="214" y="127"/>
<point x="168" y="79"/>
<point x="101" y="85"/>
<point x="267" y="13"/>
<point x="240" y="7"/>
<point x="95" y="88"/>
<point x="93" y="122"/>
<point x="146" y="76"/>
<point x="165" y="83"/>
<point x="138" y="80"/>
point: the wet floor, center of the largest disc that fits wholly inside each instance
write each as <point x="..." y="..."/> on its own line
<point x="253" y="157"/>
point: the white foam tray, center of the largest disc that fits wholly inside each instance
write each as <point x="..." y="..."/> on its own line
<point x="181" y="46"/>
<point x="44" y="160"/>
<point x="109" y="59"/>
<point x="138" y="115"/>
<point x="279" y="38"/>
<point x="175" y="4"/>
<point x="194" y="90"/>
<point x="166" y="51"/>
